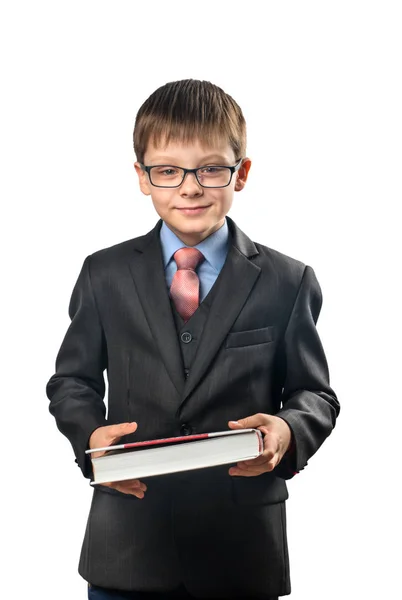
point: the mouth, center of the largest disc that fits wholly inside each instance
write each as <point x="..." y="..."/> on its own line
<point x="194" y="210"/>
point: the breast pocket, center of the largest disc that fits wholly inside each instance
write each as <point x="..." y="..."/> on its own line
<point x="251" y="337"/>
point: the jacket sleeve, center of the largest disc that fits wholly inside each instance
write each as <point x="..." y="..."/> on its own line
<point x="309" y="405"/>
<point x="77" y="388"/>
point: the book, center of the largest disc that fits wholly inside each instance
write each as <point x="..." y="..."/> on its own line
<point x="136" y="460"/>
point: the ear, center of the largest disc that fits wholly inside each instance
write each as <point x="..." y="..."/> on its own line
<point x="143" y="180"/>
<point x="242" y="174"/>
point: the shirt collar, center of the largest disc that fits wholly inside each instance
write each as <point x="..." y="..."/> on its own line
<point x="214" y="247"/>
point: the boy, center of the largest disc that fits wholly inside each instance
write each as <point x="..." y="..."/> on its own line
<point x="200" y="329"/>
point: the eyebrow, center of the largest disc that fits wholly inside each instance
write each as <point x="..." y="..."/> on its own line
<point x="172" y="161"/>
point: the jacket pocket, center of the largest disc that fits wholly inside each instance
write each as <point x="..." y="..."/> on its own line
<point x="250" y="337"/>
<point x="259" y="490"/>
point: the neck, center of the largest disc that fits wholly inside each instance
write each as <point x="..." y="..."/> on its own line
<point x="194" y="238"/>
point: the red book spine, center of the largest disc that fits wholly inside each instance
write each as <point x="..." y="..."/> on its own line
<point x="198" y="436"/>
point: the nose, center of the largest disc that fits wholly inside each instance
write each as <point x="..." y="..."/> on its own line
<point x="190" y="184"/>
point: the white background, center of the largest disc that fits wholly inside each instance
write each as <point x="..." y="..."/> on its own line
<point x="320" y="87"/>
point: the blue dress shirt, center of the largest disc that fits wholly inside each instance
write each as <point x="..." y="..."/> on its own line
<point x="214" y="248"/>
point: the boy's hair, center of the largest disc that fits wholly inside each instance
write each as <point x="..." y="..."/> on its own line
<point x="188" y="110"/>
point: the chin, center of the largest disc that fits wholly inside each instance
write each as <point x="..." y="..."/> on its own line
<point x="195" y="223"/>
<point x="198" y="227"/>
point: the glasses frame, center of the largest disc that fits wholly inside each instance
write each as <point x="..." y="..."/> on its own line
<point x="233" y="169"/>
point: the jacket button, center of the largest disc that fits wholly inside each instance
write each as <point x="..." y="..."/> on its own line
<point x="186" y="337"/>
<point x="186" y="429"/>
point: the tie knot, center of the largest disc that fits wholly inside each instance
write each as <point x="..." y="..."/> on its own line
<point x="188" y="258"/>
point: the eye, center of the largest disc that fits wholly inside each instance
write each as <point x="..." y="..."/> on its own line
<point x="167" y="171"/>
<point x="210" y="170"/>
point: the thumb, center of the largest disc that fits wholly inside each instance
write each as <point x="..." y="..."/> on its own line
<point x="237" y="424"/>
<point x="120" y="429"/>
<point x="247" y="423"/>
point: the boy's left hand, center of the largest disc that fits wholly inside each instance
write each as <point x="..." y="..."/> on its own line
<point x="277" y="438"/>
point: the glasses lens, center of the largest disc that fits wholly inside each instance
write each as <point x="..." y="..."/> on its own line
<point x="214" y="176"/>
<point x="166" y="175"/>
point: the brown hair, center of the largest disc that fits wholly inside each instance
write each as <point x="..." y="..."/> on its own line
<point x="182" y="111"/>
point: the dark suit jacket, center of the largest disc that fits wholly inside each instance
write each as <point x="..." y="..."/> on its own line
<point x="259" y="352"/>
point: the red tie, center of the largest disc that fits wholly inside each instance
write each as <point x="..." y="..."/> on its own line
<point x="184" y="290"/>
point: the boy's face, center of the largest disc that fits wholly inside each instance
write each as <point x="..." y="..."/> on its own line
<point x="176" y="205"/>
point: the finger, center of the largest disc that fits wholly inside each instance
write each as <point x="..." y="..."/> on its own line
<point x="253" y="468"/>
<point x="244" y="472"/>
<point x="251" y="422"/>
<point x="257" y="469"/>
<point x="131" y="492"/>
<point x="267" y="454"/>
<point x="258" y="461"/>
<point x="138" y="484"/>
<point x="261" y="464"/>
<point x="126" y="488"/>
<point x="97" y="454"/>
<point x="252" y="472"/>
<point x="120" y="429"/>
<point x="133" y="484"/>
<point x="130" y="486"/>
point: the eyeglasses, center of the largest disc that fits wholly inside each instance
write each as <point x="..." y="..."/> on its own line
<point x="210" y="176"/>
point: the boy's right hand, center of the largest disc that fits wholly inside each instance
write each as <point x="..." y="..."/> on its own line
<point x="107" y="436"/>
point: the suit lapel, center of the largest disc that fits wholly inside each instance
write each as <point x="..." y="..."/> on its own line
<point x="149" y="277"/>
<point x="234" y="284"/>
